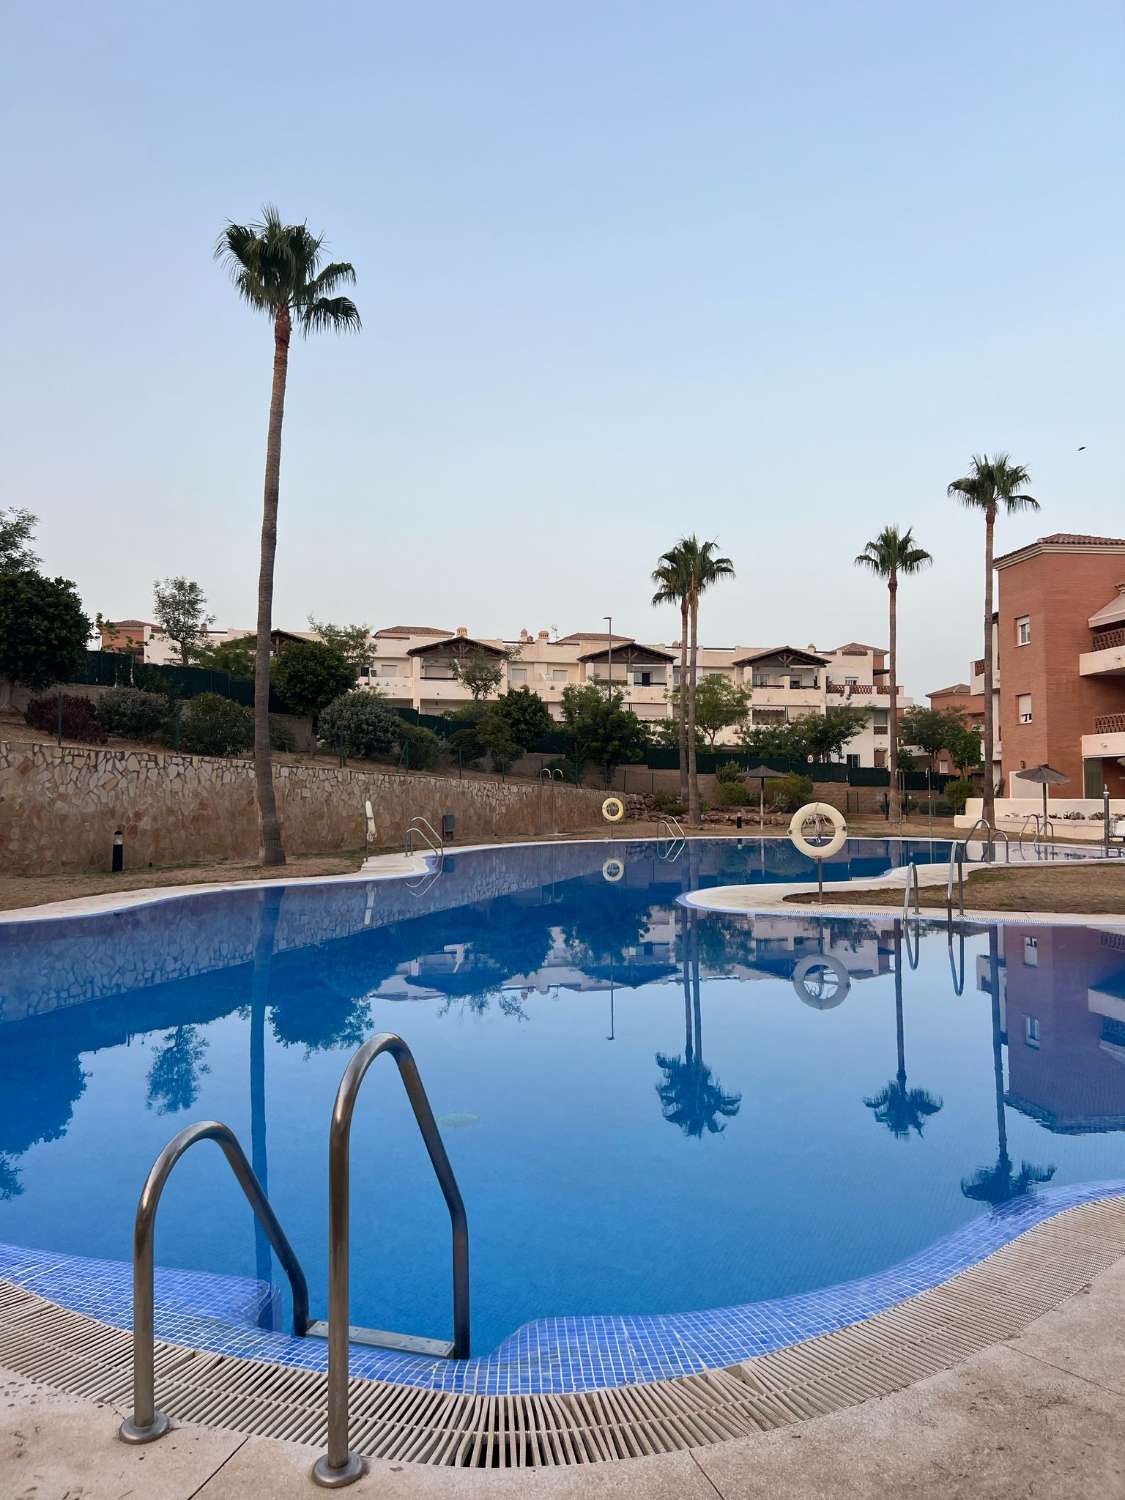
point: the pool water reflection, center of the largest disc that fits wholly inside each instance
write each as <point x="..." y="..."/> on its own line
<point x="649" y="1108"/>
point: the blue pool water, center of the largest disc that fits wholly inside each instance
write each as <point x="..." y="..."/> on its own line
<point x="649" y="1109"/>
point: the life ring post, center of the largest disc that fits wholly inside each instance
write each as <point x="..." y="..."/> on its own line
<point x="818" y="852"/>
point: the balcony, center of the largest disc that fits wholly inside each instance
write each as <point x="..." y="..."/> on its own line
<point x="1108" y="739"/>
<point x="776" y="695"/>
<point x="1107" y="659"/>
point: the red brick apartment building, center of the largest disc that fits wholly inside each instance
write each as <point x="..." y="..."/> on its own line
<point x="969" y="704"/>
<point x="1061" y="653"/>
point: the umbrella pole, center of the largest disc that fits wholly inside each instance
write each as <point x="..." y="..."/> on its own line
<point x="1044" y="812"/>
<point x="762" y="803"/>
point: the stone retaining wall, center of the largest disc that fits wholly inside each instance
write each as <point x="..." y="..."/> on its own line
<point x="59" y="808"/>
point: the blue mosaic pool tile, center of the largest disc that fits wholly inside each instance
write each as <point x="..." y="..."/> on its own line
<point x="233" y="1315"/>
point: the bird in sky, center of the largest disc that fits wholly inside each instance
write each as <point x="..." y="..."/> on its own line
<point x="1082" y="449"/>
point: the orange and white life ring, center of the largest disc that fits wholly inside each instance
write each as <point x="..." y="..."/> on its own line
<point x="818" y="810"/>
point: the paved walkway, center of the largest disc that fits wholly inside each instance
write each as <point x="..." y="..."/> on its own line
<point x="1041" y="1417"/>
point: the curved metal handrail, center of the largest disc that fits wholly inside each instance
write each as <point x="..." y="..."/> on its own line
<point x="911" y="886"/>
<point x="956" y="862"/>
<point x="1043" y="834"/>
<point x="426" y="831"/>
<point x="146" y="1423"/>
<point x="550" y="772"/>
<point x="340" y="1466"/>
<point x="675" y="831"/>
<point x="957" y="972"/>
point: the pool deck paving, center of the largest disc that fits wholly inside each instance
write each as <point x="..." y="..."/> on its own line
<point x="1040" y="1416"/>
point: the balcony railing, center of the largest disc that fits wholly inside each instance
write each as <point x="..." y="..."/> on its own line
<point x="880" y="728"/>
<point x="1109" y="724"/>
<point x="1101" y="640"/>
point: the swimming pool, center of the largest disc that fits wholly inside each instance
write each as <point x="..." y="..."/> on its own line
<point x="650" y="1109"/>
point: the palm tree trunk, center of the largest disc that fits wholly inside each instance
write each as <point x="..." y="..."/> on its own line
<point x="694" y="817"/>
<point x="900" y="1039"/>
<point x="892" y="716"/>
<point x="989" y="807"/>
<point x="997" y="1045"/>
<point x="681" y="706"/>
<point x="270" y="849"/>
<point x="696" y="1002"/>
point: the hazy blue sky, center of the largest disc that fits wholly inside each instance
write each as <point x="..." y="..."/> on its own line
<point x="766" y="271"/>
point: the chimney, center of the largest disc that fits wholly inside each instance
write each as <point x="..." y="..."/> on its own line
<point x="462" y="630"/>
<point x="524" y="637"/>
<point x="544" y="635"/>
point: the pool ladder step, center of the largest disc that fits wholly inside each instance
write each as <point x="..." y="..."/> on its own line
<point x="340" y="1465"/>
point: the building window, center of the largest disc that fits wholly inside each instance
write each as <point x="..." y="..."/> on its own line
<point x="1023" y="708"/>
<point x="642" y="679"/>
<point x="1031" y="1030"/>
<point x="1031" y="952"/>
<point x="853" y="760"/>
<point x="517" y="674"/>
<point x="1023" y="630"/>
<point x="557" y="674"/>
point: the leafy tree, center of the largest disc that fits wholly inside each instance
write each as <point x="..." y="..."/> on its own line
<point x="964" y="748"/>
<point x="17" y="532"/>
<point x="673" y="577"/>
<point x="481" y="673"/>
<point x="893" y="555"/>
<point x="991" y="485"/>
<point x="789" y="792"/>
<point x="601" y="728"/>
<point x="359" y="723"/>
<point x="526" y="715"/>
<point x="278" y="270"/>
<point x="719" y="704"/>
<point x="826" y="734"/>
<point x="43" y="631"/>
<point x="932" y="729"/>
<point x="174" y="1078"/>
<point x="494" y="732"/>
<point x="179" y="605"/>
<point x="424" y="749"/>
<point x="779" y="738"/>
<point x="236" y="657"/>
<point x="353" y="642"/>
<point x="308" y="675"/>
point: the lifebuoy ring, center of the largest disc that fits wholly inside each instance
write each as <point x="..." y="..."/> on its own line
<point x="613" y="809"/>
<point x="821" y="981"/>
<point x="822" y="810"/>
<point x="613" y="870"/>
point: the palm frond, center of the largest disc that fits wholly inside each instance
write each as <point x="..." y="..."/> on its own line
<point x="330" y="314"/>
<point x="893" y="552"/>
<point x="336" y="274"/>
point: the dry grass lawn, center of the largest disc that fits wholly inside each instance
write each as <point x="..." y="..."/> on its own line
<point x="1098" y="889"/>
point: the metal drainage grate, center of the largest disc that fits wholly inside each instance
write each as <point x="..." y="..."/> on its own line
<point x="993" y="1300"/>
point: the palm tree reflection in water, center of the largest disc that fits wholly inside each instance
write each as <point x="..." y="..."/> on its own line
<point x="689" y="1096"/>
<point x="999" y="1183"/>
<point x="899" y="1108"/>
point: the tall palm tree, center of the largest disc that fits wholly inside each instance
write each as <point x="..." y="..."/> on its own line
<point x="899" y="1108"/>
<point x="707" y="568"/>
<point x="893" y="555"/>
<point x="1001" y="1182"/>
<point x="992" y="484"/>
<point x="277" y="268"/>
<point x="672" y="576"/>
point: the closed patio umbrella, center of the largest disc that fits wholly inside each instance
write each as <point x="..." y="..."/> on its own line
<point x="761" y="774"/>
<point x="1044" y="776"/>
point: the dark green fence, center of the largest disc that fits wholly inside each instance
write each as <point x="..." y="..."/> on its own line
<point x="119" y="669"/>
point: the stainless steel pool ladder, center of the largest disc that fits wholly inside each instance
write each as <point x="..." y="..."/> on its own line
<point x="677" y="838"/>
<point x="959" y="852"/>
<point x="423" y="829"/>
<point x="146" y="1422"/>
<point x="340" y="1466"/>
<point x="1043" y="835"/>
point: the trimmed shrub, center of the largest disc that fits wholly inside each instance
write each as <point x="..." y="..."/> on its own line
<point x="79" y="721"/>
<point x="789" y="792"/>
<point x="424" y="749"/>
<point x="212" y="725"/>
<point x="360" y="724"/>
<point x="668" y="802"/>
<point x="730" y="773"/>
<point x="732" y="794"/>
<point x="958" y="793"/>
<point x="281" y="736"/>
<point x="131" y="714"/>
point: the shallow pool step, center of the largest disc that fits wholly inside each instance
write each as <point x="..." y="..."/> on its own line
<point x="377" y="1338"/>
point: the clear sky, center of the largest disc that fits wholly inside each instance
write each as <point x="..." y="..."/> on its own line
<point x="766" y="271"/>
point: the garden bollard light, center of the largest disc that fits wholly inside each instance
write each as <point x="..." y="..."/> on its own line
<point x="118" y="851"/>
